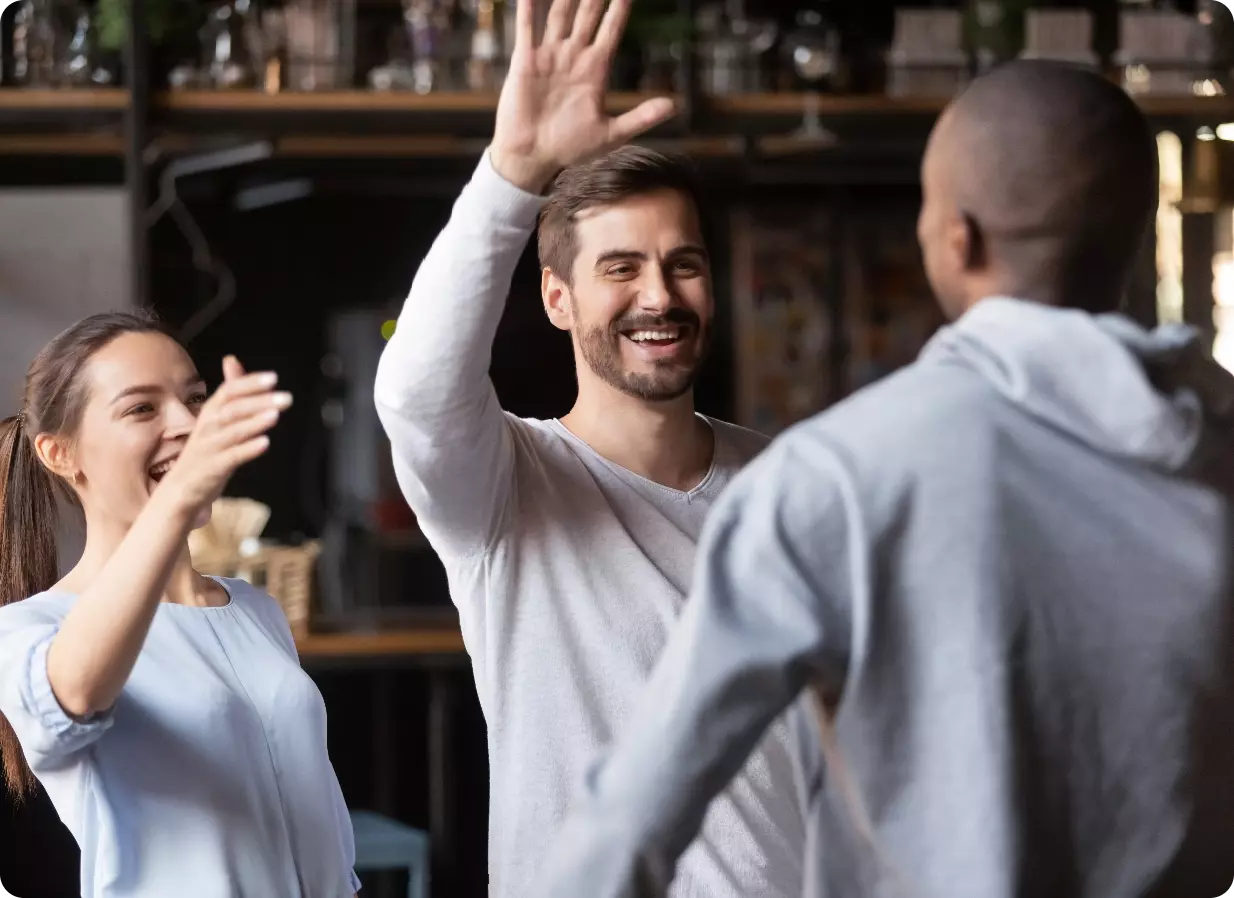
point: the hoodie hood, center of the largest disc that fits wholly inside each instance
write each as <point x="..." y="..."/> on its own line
<point x="1125" y="391"/>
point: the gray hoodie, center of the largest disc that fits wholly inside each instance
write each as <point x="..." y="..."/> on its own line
<point x="1010" y="566"/>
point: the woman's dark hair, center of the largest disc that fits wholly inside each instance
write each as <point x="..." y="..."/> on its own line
<point x="54" y="397"/>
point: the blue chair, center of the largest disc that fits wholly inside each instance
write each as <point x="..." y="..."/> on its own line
<point x="385" y="844"/>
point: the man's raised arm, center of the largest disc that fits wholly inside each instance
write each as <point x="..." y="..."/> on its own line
<point x="452" y="450"/>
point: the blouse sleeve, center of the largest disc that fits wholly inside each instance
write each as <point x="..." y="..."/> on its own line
<point x="46" y="732"/>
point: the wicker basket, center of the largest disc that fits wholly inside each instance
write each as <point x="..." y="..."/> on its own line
<point x="289" y="573"/>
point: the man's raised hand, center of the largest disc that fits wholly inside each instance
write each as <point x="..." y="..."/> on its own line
<point x="551" y="113"/>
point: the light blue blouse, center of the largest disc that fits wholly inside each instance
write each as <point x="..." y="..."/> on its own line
<point x="209" y="778"/>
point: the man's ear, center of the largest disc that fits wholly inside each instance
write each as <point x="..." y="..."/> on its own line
<point x="556" y="295"/>
<point x="57" y="456"/>
<point x="969" y="244"/>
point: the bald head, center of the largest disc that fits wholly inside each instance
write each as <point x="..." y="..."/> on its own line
<point x="1040" y="182"/>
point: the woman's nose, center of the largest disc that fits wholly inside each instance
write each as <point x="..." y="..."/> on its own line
<point x="180" y="419"/>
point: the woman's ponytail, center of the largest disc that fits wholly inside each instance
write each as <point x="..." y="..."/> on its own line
<point x="28" y="555"/>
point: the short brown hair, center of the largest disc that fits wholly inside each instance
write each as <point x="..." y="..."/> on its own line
<point x="624" y="173"/>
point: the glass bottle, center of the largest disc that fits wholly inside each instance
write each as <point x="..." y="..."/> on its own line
<point x="42" y="30"/>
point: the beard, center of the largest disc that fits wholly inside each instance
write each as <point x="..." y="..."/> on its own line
<point x="601" y="349"/>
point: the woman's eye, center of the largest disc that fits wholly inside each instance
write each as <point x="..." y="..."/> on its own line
<point x="143" y="408"/>
<point x="197" y="399"/>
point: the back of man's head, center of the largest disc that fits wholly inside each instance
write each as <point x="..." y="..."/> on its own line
<point x="1040" y="182"/>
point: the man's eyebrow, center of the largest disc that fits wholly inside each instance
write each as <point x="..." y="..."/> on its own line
<point x="616" y="255"/>
<point x="690" y="249"/>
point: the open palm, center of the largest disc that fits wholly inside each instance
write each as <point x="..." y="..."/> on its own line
<point x="551" y="113"/>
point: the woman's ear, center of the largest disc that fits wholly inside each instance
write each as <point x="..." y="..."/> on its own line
<point x="556" y="295"/>
<point x="56" y="455"/>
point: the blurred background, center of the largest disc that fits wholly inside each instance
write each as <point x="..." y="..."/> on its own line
<point x="268" y="175"/>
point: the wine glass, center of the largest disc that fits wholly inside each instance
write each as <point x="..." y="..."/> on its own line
<point x="752" y="39"/>
<point x="814" y="50"/>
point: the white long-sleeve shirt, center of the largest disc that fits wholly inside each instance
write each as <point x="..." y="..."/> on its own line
<point x="568" y="570"/>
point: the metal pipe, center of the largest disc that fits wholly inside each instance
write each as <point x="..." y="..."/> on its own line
<point x="136" y="138"/>
<point x="688" y="71"/>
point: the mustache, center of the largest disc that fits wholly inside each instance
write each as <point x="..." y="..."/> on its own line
<point x="673" y="317"/>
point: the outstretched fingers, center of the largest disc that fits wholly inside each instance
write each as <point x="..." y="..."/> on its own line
<point x="232" y="369"/>
<point x="640" y="119"/>
<point x="609" y="35"/>
<point x="525" y="24"/>
<point x="586" y="20"/>
<point x="245" y="385"/>
<point x="560" y="18"/>
<point x="245" y="452"/>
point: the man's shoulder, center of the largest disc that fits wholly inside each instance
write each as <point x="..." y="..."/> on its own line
<point x="922" y="418"/>
<point x="916" y="400"/>
<point x="739" y="442"/>
<point x="535" y="435"/>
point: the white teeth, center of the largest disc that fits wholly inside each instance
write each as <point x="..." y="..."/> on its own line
<point x="643" y="335"/>
<point x="162" y="468"/>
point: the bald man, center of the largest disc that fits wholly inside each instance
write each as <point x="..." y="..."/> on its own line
<point x="1005" y="571"/>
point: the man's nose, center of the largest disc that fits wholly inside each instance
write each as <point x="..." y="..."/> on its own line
<point x="656" y="294"/>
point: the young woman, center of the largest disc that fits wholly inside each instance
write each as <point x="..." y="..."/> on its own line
<point x="164" y="712"/>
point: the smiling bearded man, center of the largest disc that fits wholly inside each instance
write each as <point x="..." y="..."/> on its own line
<point x="569" y="543"/>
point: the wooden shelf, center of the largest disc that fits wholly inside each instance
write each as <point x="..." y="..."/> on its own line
<point x="358" y="101"/>
<point x="101" y="144"/>
<point x="1205" y="108"/>
<point x="362" y="101"/>
<point x="322" y="101"/>
<point x="68" y="99"/>
<point x="348" y="114"/>
<point x="357" y="124"/>
<point x="827" y="105"/>
<point x="877" y="105"/>
<point x="436" y="640"/>
<point x="771" y="104"/>
<point x="64" y="113"/>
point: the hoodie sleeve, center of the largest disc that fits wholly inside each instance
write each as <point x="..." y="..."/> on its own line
<point x="767" y="616"/>
<point x="452" y="451"/>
